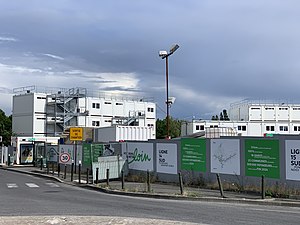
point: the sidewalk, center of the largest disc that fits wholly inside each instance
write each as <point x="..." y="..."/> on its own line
<point x="157" y="190"/>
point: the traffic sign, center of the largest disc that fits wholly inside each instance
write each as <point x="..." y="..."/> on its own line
<point x="64" y="158"/>
<point x="76" y="134"/>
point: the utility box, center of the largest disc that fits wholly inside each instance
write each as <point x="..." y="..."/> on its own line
<point x="123" y="133"/>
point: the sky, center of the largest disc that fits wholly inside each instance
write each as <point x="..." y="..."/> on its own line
<point x="230" y="50"/>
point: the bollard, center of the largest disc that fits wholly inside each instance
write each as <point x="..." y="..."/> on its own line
<point x="220" y="186"/>
<point x="72" y="170"/>
<point x="8" y="160"/>
<point x="180" y="183"/>
<point x="263" y="192"/>
<point x="65" y="175"/>
<point x="47" y="163"/>
<point x="58" y="170"/>
<point x="87" y="175"/>
<point x="107" y="177"/>
<point x="79" y="172"/>
<point x="52" y="168"/>
<point x="41" y="162"/>
<point x="97" y="175"/>
<point x="122" y="179"/>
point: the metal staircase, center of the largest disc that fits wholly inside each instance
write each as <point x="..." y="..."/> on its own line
<point x="62" y="110"/>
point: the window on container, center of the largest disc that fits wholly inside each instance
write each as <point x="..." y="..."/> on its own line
<point x="118" y="103"/>
<point x="283" y="108"/>
<point x="270" y="128"/>
<point x="107" y="103"/>
<point x="296" y="128"/>
<point x="93" y="105"/>
<point x="150" y="109"/>
<point x="255" y="108"/>
<point x="283" y="128"/>
<point x="243" y="128"/>
<point x="95" y="123"/>
<point x="197" y="127"/>
<point x="201" y="127"/>
<point x="239" y="127"/>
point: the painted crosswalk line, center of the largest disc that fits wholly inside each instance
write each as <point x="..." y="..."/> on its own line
<point x="52" y="184"/>
<point x="12" y="185"/>
<point x="32" y="185"/>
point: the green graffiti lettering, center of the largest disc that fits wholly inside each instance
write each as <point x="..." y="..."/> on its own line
<point x="139" y="157"/>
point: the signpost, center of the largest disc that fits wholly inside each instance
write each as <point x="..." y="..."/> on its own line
<point x="76" y="134"/>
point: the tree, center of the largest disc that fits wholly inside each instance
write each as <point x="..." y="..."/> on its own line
<point x="5" y="128"/>
<point x="223" y="116"/>
<point x="174" y="126"/>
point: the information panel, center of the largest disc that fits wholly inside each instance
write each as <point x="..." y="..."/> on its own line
<point x="225" y="156"/>
<point x="193" y="154"/>
<point x="166" y="158"/>
<point x="292" y="157"/>
<point x="262" y="158"/>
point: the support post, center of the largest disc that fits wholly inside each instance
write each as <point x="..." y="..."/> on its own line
<point x="180" y="183"/>
<point x="148" y="181"/>
<point x="263" y="191"/>
<point x="220" y="186"/>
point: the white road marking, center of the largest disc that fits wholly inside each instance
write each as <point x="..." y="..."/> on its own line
<point x="31" y="185"/>
<point x="277" y="211"/>
<point x="12" y="185"/>
<point x="52" y="184"/>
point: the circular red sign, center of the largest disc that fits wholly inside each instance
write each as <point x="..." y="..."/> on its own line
<point x="65" y="157"/>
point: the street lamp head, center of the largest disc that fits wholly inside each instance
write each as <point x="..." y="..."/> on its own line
<point x="174" y="48"/>
<point x="162" y="53"/>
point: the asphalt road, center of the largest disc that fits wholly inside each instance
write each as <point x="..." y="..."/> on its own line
<point x="26" y="195"/>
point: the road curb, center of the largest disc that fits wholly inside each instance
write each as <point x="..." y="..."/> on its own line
<point x="271" y="202"/>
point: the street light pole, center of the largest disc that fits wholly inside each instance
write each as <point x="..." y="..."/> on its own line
<point x="167" y="101"/>
<point x="165" y="55"/>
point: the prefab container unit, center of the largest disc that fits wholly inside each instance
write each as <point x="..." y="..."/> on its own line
<point x="39" y="111"/>
<point x="29" y="149"/>
<point x="123" y="133"/>
<point x="243" y="128"/>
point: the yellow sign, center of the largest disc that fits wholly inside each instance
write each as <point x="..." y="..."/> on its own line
<point x="76" y="134"/>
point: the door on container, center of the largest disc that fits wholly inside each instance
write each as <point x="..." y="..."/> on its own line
<point x="40" y="152"/>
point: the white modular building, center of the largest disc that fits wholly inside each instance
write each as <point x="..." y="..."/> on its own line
<point x="253" y="118"/>
<point x="49" y="112"/>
